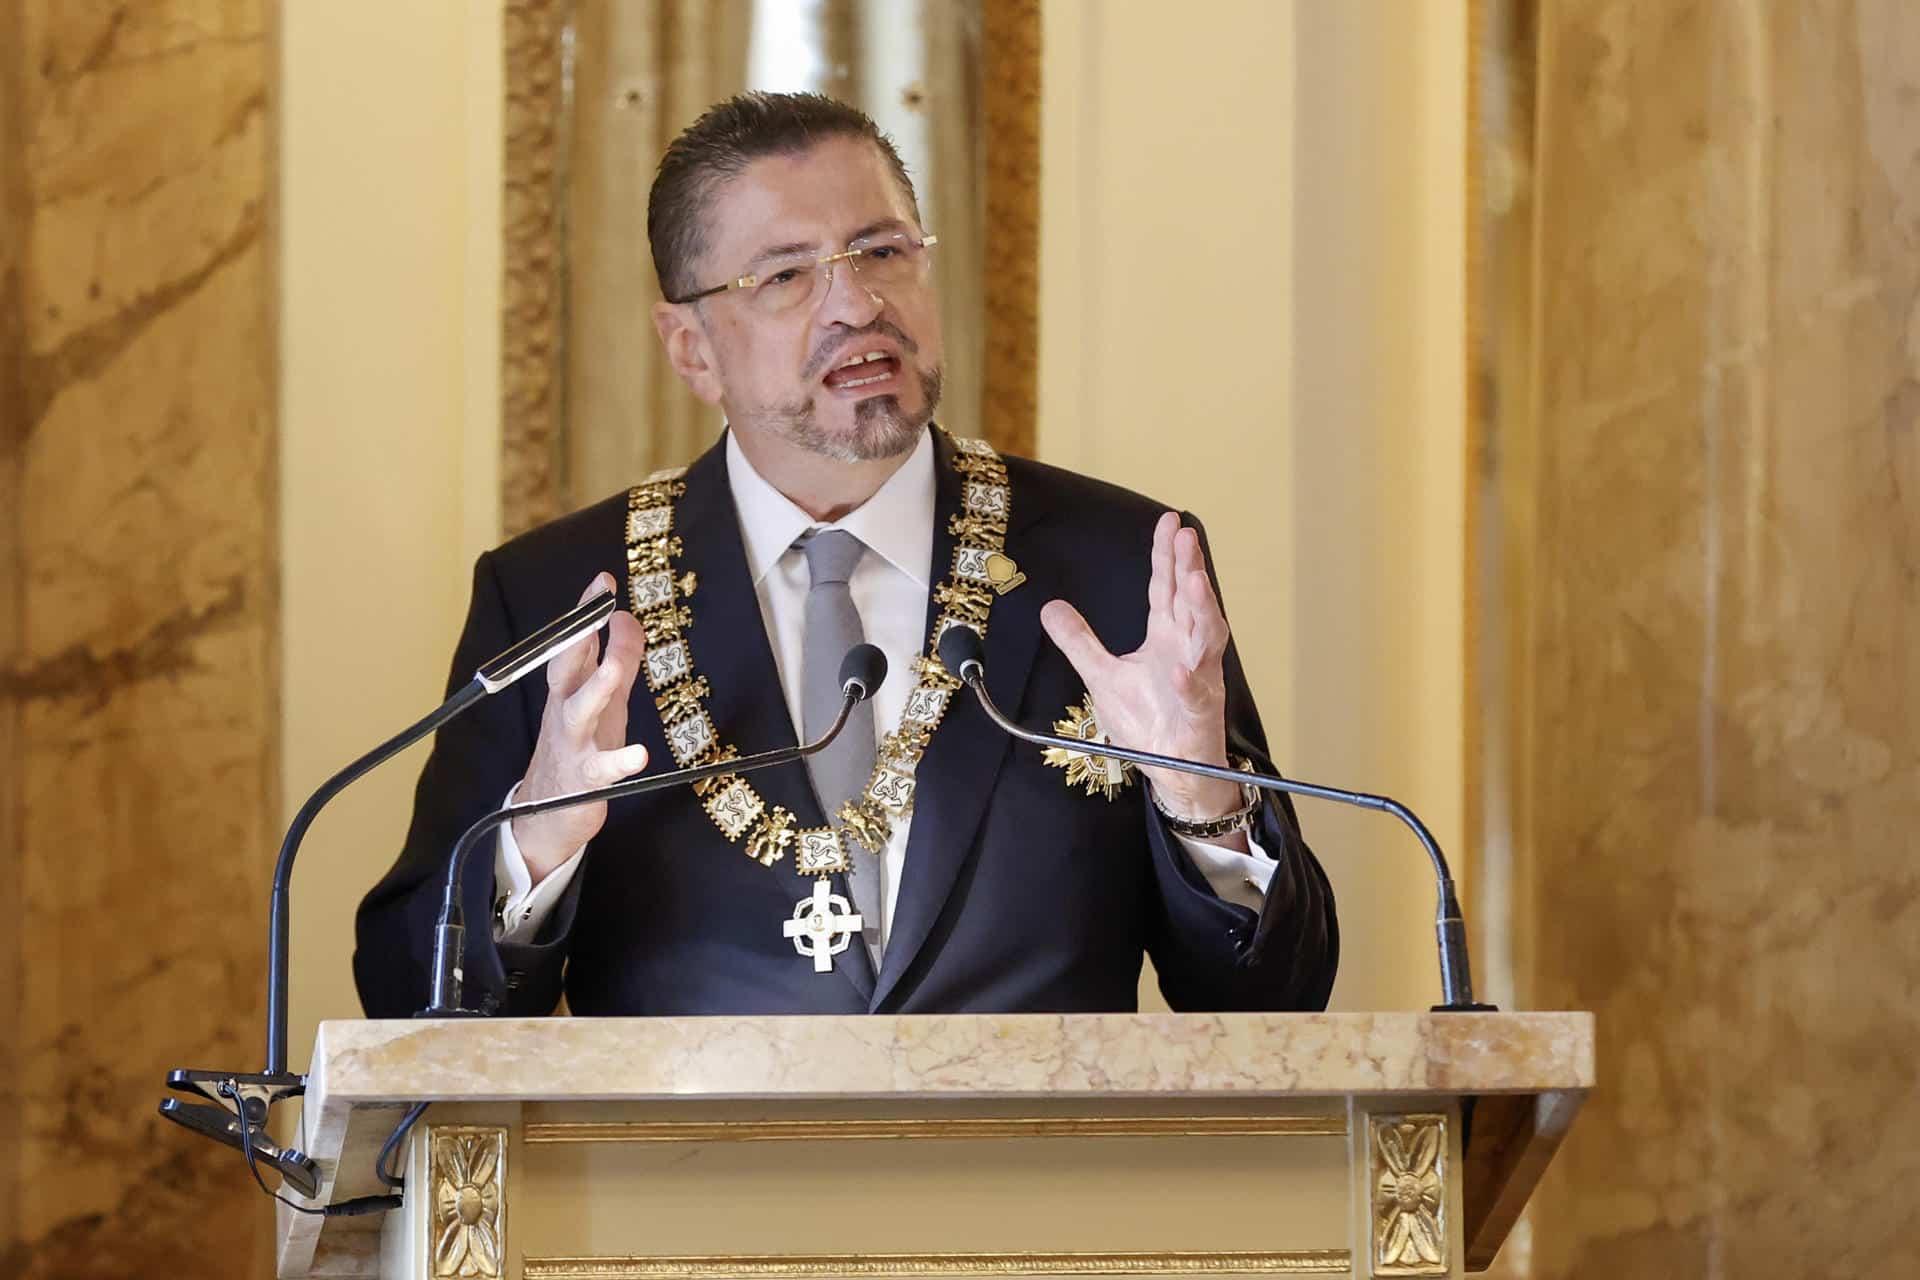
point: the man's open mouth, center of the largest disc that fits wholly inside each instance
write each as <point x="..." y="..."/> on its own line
<point x="865" y="369"/>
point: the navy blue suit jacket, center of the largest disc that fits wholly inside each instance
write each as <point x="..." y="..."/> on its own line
<point x="1019" y="894"/>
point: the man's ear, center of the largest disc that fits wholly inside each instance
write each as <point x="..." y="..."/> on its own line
<point x="684" y="339"/>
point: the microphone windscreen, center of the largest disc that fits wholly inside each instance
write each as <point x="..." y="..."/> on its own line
<point x="865" y="666"/>
<point x="960" y="645"/>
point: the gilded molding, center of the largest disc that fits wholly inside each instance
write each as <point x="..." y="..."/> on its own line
<point x="1501" y="325"/>
<point x="533" y="261"/>
<point x="1407" y="1172"/>
<point x="1295" y="1262"/>
<point x="947" y="1128"/>
<point x="1010" y="107"/>
<point x="468" y="1173"/>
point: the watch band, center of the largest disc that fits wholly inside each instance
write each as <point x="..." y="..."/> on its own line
<point x="1226" y="823"/>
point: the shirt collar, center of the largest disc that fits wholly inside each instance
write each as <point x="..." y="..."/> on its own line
<point x="896" y="522"/>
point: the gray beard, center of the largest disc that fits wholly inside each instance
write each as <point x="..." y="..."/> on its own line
<point x="880" y="429"/>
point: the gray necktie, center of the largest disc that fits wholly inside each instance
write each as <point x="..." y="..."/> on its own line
<point x="840" y="772"/>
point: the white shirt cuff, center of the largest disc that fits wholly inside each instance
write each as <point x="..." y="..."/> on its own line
<point x="521" y="906"/>
<point x="1239" y="878"/>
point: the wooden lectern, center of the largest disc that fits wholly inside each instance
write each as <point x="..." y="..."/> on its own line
<point x="1361" y="1145"/>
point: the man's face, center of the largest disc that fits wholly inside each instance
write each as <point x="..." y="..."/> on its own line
<point x="788" y="374"/>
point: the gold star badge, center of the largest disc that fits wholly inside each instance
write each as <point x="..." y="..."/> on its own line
<point x="1098" y="774"/>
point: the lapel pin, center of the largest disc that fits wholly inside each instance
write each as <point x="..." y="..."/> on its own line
<point x="1003" y="575"/>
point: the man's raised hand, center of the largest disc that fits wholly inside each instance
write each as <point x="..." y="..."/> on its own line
<point x="1169" y="695"/>
<point x="583" y="739"/>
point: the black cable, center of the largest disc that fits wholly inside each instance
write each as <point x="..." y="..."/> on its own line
<point x="393" y="1141"/>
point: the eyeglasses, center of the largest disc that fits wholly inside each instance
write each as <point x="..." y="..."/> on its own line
<point x="789" y="284"/>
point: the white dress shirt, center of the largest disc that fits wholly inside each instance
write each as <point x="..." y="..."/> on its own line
<point x="890" y="588"/>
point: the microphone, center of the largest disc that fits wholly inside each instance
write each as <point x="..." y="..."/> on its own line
<point x="259" y="1090"/>
<point x="861" y="672"/>
<point x="864" y="668"/>
<point x="963" y="655"/>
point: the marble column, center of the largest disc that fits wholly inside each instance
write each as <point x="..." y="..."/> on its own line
<point x="137" y="623"/>
<point x="1715" y="767"/>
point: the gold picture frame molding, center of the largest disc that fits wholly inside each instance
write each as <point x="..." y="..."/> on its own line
<point x="533" y="265"/>
<point x="984" y="1128"/>
<point x="904" y="1266"/>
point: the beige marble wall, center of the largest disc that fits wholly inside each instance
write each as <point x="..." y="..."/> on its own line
<point x="13" y="195"/>
<point x="1717" y="777"/>
<point x="138" y="579"/>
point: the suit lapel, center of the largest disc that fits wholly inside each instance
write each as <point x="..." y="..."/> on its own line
<point x="957" y="771"/>
<point x="728" y="638"/>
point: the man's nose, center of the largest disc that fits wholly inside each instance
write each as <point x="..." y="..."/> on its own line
<point x="848" y="299"/>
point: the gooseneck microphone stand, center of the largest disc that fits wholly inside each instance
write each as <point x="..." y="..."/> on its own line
<point x="861" y="672"/>
<point x="241" y="1100"/>
<point x="963" y="654"/>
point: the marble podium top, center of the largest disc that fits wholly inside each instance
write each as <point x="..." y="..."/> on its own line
<point x="977" y="1056"/>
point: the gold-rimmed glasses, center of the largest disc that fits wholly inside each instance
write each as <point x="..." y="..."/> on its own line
<point x="786" y="284"/>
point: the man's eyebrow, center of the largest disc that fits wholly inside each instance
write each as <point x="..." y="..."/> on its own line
<point x="782" y="251"/>
<point x="876" y="227"/>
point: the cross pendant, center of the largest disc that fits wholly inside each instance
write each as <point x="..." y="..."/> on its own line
<point x="822" y="925"/>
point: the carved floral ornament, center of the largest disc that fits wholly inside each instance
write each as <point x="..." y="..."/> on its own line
<point x="469" y="1211"/>
<point x="1409" y="1195"/>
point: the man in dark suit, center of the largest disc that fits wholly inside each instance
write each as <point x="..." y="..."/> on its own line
<point x="926" y="863"/>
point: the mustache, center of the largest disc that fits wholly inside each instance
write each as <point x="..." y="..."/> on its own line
<point x="832" y="347"/>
